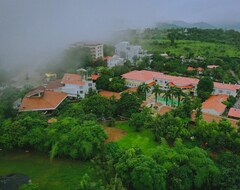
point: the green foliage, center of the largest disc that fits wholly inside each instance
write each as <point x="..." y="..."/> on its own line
<point x="128" y="104"/>
<point x="87" y="184"/>
<point x="103" y="82"/>
<point x="139" y="172"/>
<point x="118" y="70"/>
<point x="70" y="139"/>
<point x="108" y="50"/>
<point x="117" y="84"/>
<point x="168" y="126"/>
<point x="99" y="106"/>
<point x="142" y="90"/>
<point x="30" y="186"/>
<point x="217" y="136"/>
<point x="187" y="168"/>
<point x="204" y="88"/>
<point x="139" y="120"/>
<point x="157" y="91"/>
<point x="229" y="171"/>
<point x="230" y="101"/>
<point x="99" y="63"/>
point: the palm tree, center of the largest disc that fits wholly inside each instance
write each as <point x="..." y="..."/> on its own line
<point x="172" y="90"/>
<point x="156" y="91"/>
<point x="179" y="93"/>
<point x="143" y="89"/>
<point x="167" y="95"/>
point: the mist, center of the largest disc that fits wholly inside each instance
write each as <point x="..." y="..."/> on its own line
<point x="35" y="31"/>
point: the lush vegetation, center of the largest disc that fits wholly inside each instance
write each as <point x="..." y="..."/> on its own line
<point x="170" y="151"/>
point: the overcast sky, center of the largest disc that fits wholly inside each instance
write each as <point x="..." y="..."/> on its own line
<point x="32" y="30"/>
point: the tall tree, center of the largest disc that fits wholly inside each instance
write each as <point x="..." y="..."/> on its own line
<point x="204" y="88"/>
<point x="143" y="89"/>
<point x="156" y="91"/>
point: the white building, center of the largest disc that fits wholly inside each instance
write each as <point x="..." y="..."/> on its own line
<point x="129" y="51"/>
<point x="114" y="61"/>
<point x="73" y="84"/>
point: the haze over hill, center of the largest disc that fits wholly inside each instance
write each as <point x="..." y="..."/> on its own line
<point x="32" y="32"/>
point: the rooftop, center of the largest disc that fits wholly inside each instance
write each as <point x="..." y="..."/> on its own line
<point x="142" y="75"/>
<point x="54" y="84"/>
<point x="233" y="112"/>
<point x="49" y="101"/>
<point x="215" y="102"/>
<point x="109" y="94"/>
<point x="72" y="79"/>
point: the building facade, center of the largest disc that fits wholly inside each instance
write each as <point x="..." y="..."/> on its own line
<point x="188" y="85"/>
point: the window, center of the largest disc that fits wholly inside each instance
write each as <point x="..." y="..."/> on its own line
<point x="81" y="92"/>
<point x="89" y="84"/>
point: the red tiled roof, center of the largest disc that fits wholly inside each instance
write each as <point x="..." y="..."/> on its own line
<point x="54" y="84"/>
<point x="95" y="77"/>
<point x="233" y="112"/>
<point x="226" y="86"/>
<point x="142" y="75"/>
<point x="199" y="69"/>
<point x="209" y="118"/>
<point x="190" y="69"/>
<point x="109" y="94"/>
<point x="49" y="101"/>
<point x="214" y="102"/>
<point x="145" y="76"/>
<point x="72" y="79"/>
<point x="151" y="83"/>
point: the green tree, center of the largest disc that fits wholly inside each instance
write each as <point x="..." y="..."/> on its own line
<point x="167" y="95"/>
<point x="117" y="84"/>
<point x="187" y="168"/>
<point x="143" y="89"/>
<point x="140" y="172"/>
<point x="99" y="106"/>
<point x="169" y="127"/>
<point x="156" y="91"/>
<point x="204" y="88"/>
<point x="87" y="184"/>
<point x="128" y="104"/>
<point x="139" y="120"/>
<point x="103" y="82"/>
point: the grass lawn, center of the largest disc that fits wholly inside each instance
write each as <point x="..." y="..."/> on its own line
<point x="143" y="139"/>
<point x="184" y="46"/>
<point x="58" y="174"/>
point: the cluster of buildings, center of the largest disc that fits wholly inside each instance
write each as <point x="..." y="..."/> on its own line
<point x="46" y="98"/>
<point x="213" y="105"/>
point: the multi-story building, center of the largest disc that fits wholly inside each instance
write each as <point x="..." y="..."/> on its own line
<point x="73" y="84"/>
<point x="127" y="51"/>
<point x="96" y="50"/>
<point x="188" y="85"/>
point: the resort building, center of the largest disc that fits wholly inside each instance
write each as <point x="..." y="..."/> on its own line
<point x="188" y="85"/>
<point x="74" y="85"/>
